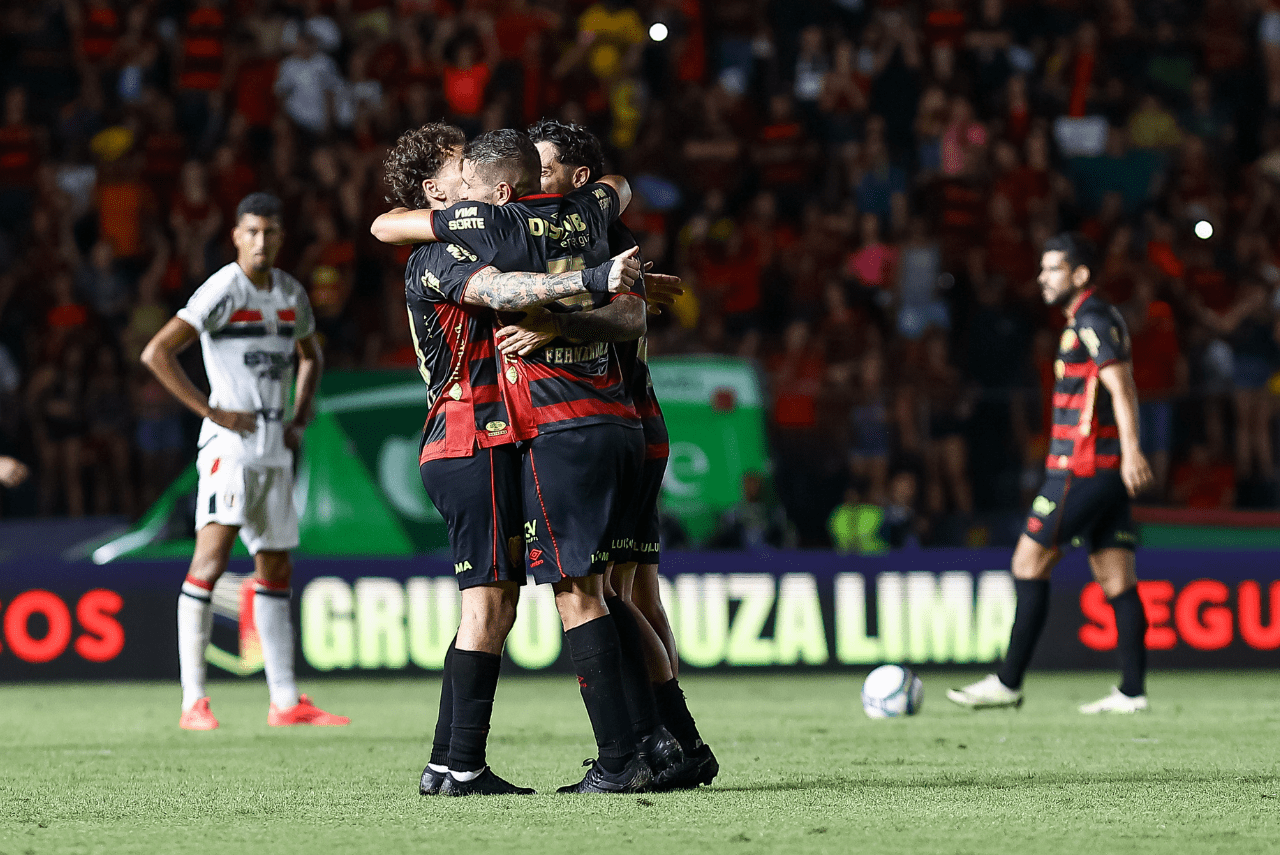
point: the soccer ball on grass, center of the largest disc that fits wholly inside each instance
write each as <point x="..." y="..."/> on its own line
<point x="891" y="691"/>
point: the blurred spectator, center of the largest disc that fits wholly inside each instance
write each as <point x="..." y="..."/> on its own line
<point x="1159" y="374"/>
<point x="20" y="154"/>
<point x="55" y="400"/>
<point x="879" y="177"/>
<point x="902" y="527"/>
<point x="855" y="526"/>
<point x="108" y="440"/>
<point x="308" y="83"/>
<point x="103" y="288"/>
<point x="755" y="522"/>
<point x="870" y="428"/>
<point x="945" y="404"/>
<point x="195" y="220"/>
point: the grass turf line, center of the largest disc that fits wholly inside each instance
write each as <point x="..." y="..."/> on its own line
<point x="92" y="768"/>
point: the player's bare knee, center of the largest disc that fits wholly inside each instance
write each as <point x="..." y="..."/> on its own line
<point x="1033" y="561"/>
<point x="273" y="566"/>
<point x="1113" y="570"/>
<point x="207" y="568"/>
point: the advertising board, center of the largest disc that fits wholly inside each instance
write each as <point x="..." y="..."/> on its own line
<point x="729" y="611"/>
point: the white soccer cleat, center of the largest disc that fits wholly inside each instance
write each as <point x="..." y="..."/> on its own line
<point x="1116" y="702"/>
<point x="986" y="694"/>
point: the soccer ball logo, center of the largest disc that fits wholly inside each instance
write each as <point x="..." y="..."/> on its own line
<point x="891" y="691"/>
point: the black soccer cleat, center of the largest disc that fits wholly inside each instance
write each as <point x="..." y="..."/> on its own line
<point x="431" y="782"/>
<point x="698" y="767"/>
<point x="636" y="777"/>
<point x="484" y="784"/>
<point x="661" y="751"/>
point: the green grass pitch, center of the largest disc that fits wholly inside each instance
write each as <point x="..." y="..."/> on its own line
<point x="89" y="768"/>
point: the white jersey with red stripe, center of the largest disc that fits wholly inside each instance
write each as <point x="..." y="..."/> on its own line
<point x="247" y="337"/>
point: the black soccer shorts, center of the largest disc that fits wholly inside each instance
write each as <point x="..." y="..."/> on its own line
<point x="636" y="538"/>
<point x="479" y="498"/>
<point x="1092" y="512"/>
<point x="574" y="482"/>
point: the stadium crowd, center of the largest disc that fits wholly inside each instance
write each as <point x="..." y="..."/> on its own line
<point x="854" y="194"/>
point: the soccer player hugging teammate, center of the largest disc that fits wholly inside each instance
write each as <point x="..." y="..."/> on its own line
<point x="571" y="158"/>
<point x="254" y="323"/>
<point x="1095" y="464"/>
<point x="469" y="462"/>
<point x="582" y="436"/>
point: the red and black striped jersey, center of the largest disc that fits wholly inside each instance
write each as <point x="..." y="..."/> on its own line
<point x="565" y="384"/>
<point x="634" y="356"/>
<point x="454" y="343"/>
<point x="1085" y="437"/>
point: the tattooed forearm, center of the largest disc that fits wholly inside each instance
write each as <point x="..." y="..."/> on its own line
<point x="621" y="320"/>
<point x="509" y="291"/>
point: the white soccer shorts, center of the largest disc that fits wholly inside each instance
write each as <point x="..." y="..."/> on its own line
<point x="257" y="499"/>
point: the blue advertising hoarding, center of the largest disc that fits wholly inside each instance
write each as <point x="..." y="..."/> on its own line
<point x="784" y="609"/>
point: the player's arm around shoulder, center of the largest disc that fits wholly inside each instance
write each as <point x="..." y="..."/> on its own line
<point x="619" y="185"/>
<point x="402" y="226"/>
<point x="490" y="287"/>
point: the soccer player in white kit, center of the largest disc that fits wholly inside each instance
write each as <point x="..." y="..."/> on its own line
<point x="252" y="321"/>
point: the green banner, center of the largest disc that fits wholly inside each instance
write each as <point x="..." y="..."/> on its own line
<point x="359" y="492"/>
<point x="715" y="412"/>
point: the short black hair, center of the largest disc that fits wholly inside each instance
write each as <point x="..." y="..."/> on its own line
<point x="1078" y="249"/>
<point x="575" y="145"/>
<point x="510" y="151"/>
<point x="417" y="156"/>
<point x="265" y="205"/>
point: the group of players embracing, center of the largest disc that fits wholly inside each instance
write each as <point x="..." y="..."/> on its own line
<point x="544" y="447"/>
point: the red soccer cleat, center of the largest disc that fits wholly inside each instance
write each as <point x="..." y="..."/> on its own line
<point x="304" y="712"/>
<point x="198" y="717"/>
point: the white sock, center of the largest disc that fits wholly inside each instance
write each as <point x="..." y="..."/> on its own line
<point x="275" y="631"/>
<point x="436" y="767"/>
<point x="195" y="625"/>
<point x="467" y="776"/>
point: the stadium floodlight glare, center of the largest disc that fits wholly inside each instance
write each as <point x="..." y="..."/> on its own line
<point x="1204" y="230"/>
<point x="658" y="32"/>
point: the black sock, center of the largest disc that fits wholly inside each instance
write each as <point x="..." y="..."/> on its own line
<point x="475" y="679"/>
<point x="676" y="716"/>
<point x="1028" y="622"/>
<point x="444" y="720"/>
<point x="1131" y="642"/>
<point x="635" y="676"/>
<point x="593" y="646"/>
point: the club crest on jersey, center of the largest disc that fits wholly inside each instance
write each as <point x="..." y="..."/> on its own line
<point x="496" y="428"/>
<point x="1090" y="339"/>
<point x="1068" y="341"/>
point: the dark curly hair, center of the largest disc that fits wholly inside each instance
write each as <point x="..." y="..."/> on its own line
<point x="576" y="145"/>
<point x="417" y="156"/>
<point x="1078" y="250"/>
<point x="506" y="155"/>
